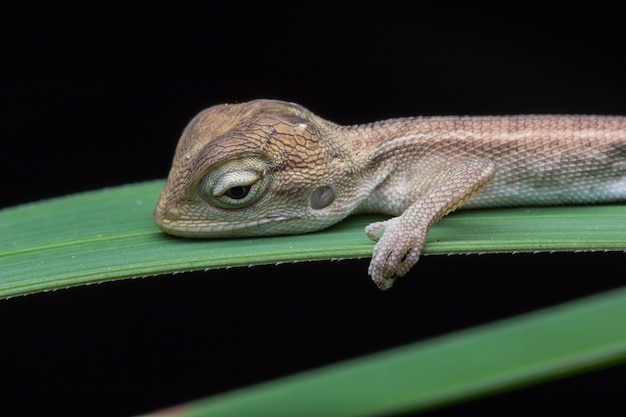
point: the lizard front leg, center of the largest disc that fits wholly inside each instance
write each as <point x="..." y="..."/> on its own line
<point x="403" y="237"/>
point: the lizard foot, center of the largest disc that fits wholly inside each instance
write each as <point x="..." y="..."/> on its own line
<point x="397" y="251"/>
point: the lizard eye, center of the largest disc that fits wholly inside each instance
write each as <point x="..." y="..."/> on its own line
<point x="239" y="192"/>
<point x="235" y="184"/>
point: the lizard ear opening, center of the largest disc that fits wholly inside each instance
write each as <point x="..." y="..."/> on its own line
<point x="322" y="197"/>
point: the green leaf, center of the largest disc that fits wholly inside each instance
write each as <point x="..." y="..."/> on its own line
<point x="543" y="345"/>
<point x="109" y="234"/>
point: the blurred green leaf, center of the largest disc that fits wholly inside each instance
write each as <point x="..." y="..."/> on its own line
<point x="500" y="356"/>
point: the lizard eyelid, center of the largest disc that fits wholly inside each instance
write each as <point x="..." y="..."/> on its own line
<point x="236" y="184"/>
<point x="226" y="183"/>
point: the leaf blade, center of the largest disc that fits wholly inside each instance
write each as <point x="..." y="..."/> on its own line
<point x="109" y="234"/>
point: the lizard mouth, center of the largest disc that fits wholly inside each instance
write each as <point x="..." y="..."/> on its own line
<point x="172" y="224"/>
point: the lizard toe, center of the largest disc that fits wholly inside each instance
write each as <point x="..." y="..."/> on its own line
<point x="382" y="281"/>
<point x="375" y="230"/>
<point x="384" y="265"/>
<point x="408" y="261"/>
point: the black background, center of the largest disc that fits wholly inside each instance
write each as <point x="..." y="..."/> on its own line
<point x="97" y="95"/>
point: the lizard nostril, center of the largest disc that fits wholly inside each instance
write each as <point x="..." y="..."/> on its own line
<point x="172" y="214"/>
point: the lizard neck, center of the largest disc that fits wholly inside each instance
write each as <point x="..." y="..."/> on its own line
<point x="360" y="144"/>
<point x="367" y="137"/>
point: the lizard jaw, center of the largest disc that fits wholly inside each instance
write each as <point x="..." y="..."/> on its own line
<point x="173" y="225"/>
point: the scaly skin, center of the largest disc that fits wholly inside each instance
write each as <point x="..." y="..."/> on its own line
<point x="269" y="167"/>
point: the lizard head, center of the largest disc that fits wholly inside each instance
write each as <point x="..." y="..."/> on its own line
<point x="263" y="167"/>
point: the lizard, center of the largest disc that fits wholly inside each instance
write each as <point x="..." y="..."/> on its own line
<point x="270" y="167"/>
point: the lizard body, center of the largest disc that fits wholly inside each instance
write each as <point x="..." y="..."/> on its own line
<point x="269" y="167"/>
